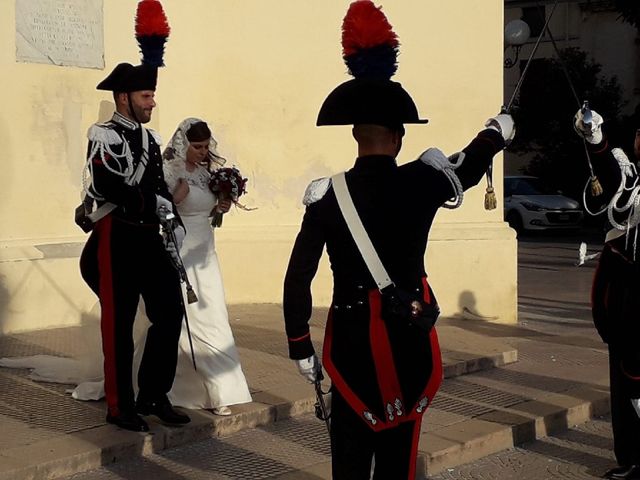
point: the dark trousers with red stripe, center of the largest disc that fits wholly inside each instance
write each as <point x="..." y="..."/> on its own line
<point x="625" y="422"/>
<point x="122" y="262"/>
<point x="615" y="304"/>
<point x="354" y="445"/>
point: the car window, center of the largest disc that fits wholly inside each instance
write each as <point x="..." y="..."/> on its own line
<point x="509" y="186"/>
<point x="528" y="186"/>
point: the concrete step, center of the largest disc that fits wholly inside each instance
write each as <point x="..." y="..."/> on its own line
<point x="298" y="448"/>
<point x="501" y="429"/>
<point x="62" y="455"/>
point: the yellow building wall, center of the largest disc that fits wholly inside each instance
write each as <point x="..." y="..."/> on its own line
<point x="257" y="72"/>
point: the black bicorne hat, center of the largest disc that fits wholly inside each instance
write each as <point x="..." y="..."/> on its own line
<point x="374" y="101"/>
<point x="370" y="49"/>
<point x="128" y="78"/>
<point x="152" y="31"/>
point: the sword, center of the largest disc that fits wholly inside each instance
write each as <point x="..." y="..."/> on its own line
<point x="489" y="200"/>
<point x="587" y="117"/>
<point x="166" y="220"/>
<point x="507" y="108"/>
<point x="320" y="407"/>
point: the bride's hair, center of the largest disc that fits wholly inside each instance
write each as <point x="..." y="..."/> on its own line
<point x="199" y="132"/>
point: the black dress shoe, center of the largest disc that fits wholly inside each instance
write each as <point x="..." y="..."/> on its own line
<point x="163" y="410"/>
<point x="625" y="472"/>
<point x="128" y="421"/>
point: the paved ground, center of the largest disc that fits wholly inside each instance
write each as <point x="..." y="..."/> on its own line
<point x="558" y="350"/>
<point x="46" y="434"/>
<point x="586" y="451"/>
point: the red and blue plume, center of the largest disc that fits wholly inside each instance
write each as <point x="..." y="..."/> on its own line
<point x="152" y="31"/>
<point x="369" y="44"/>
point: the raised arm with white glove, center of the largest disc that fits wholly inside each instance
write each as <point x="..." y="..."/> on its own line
<point x="588" y="128"/>
<point x="503" y="123"/>
<point x="310" y="368"/>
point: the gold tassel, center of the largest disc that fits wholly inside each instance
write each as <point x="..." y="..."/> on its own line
<point x="490" y="201"/>
<point x="596" y="188"/>
<point x="191" y="296"/>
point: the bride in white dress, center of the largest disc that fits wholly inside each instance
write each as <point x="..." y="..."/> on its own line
<point x="219" y="380"/>
<point x="189" y="157"/>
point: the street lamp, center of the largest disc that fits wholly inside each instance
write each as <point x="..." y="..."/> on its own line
<point x="516" y="34"/>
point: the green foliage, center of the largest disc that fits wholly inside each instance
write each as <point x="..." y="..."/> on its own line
<point x="629" y="11"/>
<point x="544" y="117"/>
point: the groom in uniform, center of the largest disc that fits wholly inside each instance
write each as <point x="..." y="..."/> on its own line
<point x="126" y="257"/>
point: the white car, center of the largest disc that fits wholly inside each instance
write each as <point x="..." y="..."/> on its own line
<point x="531" y="205"/>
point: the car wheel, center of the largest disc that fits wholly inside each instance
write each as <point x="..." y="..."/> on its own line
<point x="515" y="221"/>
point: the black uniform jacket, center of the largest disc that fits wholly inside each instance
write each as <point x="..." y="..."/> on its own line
<point x="615" y="295"/>
<point x="137" y="203"/>
<point x="382" y="370"/>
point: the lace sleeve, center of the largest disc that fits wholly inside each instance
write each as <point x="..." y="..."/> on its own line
<point x="172" y="173"/>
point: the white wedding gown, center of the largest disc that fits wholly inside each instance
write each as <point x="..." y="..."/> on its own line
<point x="219" y="380"/>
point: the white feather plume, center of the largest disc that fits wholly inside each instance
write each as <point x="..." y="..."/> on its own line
<point x="582" y="254"/>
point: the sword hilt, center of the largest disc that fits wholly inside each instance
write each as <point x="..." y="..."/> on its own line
<point x="587" y="116"/>
<point x="167" y="218"/>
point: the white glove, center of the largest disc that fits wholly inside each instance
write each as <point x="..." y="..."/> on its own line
<point x="179" y="232"/>
<point x="592" y="132"/>
<point x="164" y="208"/>
<point x="309" y="368"/>
<point x="503" y="124"/>
<point x="636" y="405"/>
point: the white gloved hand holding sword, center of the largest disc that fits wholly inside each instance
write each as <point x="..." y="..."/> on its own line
<point x="588" y="124"/>
<point x="172" y="243"/>
<point x="310" y="368"/>
<point x="503" y="123"/>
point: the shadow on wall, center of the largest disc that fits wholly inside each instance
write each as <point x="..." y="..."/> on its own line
<point x="468" y="309"/>
<point x="105" y="112"/>
<point x="4" y="303"/>
<point x="6" y="141"/>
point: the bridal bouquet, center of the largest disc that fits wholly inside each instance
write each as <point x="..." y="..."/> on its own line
<point x="227" y="183"/>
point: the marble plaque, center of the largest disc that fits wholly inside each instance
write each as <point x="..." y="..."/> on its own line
<point x="60" y="32"/>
